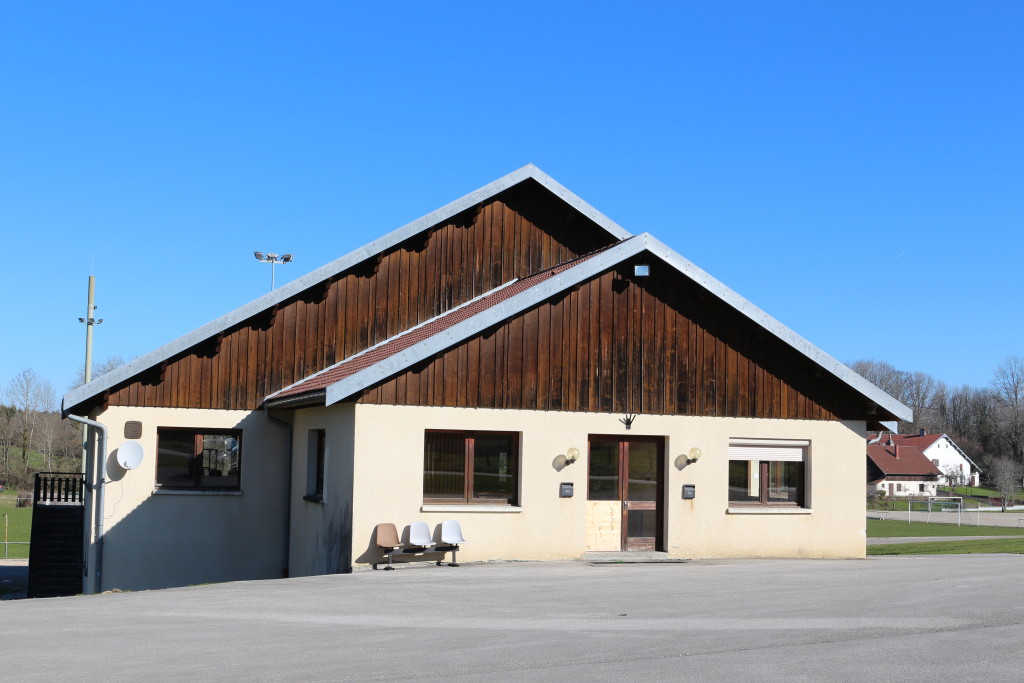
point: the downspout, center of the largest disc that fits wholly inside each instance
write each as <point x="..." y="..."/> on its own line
<point x="288" y="490"/>
<point x="101" y="457"/>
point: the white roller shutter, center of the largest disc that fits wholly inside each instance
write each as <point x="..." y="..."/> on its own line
<point x="768" y="449"/>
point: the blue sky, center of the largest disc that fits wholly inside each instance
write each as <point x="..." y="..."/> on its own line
<point x="855" y="169"/>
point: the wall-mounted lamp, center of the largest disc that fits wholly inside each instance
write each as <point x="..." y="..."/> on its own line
<point x="685" y="459"/>
<point x="572" y="455"/>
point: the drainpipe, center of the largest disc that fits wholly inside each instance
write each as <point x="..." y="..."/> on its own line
<point x="101" y="457"/>
<point x="288" y="489"/>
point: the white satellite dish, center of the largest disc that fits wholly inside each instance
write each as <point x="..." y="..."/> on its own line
<point x="129" y="455"/>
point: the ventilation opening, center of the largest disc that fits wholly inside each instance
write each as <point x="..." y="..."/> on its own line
<point x="133" y="429"/>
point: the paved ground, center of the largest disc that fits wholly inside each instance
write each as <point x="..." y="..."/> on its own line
<point x="901" y="618"/>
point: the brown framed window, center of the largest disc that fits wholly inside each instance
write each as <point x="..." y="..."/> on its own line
<point x="198" y="459"/>
<point x="471" y="467"/>
<point x="766" y="472"/>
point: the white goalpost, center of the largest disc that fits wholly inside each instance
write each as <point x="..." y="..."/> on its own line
<point x="939" y="504"/>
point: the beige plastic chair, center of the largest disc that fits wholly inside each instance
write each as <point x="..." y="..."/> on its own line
<point x="388" y="541"/>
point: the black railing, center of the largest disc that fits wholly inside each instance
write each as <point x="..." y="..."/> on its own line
<point x="59" y="487"/>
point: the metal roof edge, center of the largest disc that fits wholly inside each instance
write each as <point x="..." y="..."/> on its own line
<point x="267" y="301"/>
<point x="377" y="372"/>
<point x="731" y="297"/>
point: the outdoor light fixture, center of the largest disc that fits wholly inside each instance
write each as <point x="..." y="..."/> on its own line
<point x="572" y="455"/>
<point x="685" y="459"/>
<point x="273" y="259"/>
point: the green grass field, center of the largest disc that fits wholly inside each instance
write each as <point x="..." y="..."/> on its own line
<point x="994" y="545"/>
<point x="18" y="522"/>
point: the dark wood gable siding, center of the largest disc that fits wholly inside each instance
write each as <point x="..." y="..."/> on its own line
<point x="658" y="345"/>
<point x="521" y="231"/>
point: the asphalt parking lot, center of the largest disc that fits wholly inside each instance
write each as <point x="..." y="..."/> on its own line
<point x="891" y="618"/>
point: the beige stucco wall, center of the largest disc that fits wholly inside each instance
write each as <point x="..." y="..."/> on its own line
<point x="374" y="474"/>
<point x="319" y="537"/>
<point x="156" y="540"/>
<point x="388" y="481"/>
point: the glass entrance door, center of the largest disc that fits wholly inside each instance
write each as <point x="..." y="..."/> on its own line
<point x="631" y="470"/>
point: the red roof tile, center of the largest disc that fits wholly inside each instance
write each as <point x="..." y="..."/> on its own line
<point x="911" y="460"/>
<point x="915" y="440"/>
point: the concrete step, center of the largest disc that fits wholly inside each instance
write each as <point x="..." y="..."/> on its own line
<point x="630" y="557"/>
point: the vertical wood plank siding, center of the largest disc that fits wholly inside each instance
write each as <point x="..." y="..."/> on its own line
<point x="519" y="232"/>
<point x="615" y="344"/>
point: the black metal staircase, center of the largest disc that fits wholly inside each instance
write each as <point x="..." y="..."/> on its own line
<point x="58" y="518"/>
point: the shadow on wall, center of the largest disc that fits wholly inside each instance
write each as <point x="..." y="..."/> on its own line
<point x="188" y="538"/>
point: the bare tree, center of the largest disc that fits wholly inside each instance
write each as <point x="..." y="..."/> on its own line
<point x="918" y="390"/>
<point x="8" y="435"/>
<point x="954" y="476"/>
<point x="108" y="364"/>
<point x="1005" y="476"/>
<point x="30" y="395"/>
<point x="1008" y="388"/>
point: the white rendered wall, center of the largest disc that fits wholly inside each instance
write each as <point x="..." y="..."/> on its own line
<point x="388" y="485"/>
<point x="162" y="539"/>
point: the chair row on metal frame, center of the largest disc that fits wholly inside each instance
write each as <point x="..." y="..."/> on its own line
<point x="420" y="541"/>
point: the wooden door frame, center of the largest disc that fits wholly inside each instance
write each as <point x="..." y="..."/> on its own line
<point x="623" y="472"/>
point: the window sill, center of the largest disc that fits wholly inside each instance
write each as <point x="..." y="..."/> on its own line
<point x="314" y="498"/>
<point x="187" y="492"/>
<point x="767" y="510"/>
<point x="470" y="508"/>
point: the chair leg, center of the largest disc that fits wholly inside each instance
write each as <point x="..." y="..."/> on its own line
<point x="389" y="568"/>
<point x="453" y="563"/>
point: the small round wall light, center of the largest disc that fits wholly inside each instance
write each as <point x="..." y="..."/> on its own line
<point x="572" y="455"/>
<point x="694" y="455"/>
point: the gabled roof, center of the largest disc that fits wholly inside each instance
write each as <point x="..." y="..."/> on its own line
<point x="285" y="292"/>
<point x="405" y="350"/>
<point x="926" y="441"/>
<point x="911" y="461"/>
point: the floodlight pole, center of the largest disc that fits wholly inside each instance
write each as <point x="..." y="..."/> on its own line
<point x="89" y="321"/>
<point x="273" y="259"/>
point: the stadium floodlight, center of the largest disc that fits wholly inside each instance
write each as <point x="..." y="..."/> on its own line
<point x="273" y="259"/>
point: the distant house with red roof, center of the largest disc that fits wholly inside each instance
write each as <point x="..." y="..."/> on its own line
<point x="955" y="467"/>
<point x="900" y="469"/>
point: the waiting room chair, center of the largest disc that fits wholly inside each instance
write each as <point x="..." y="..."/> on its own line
<point x="451" y="536"/>
<point x="388" y="542"/>
<point x="419" y="536"/>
